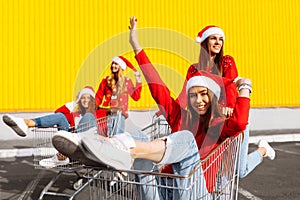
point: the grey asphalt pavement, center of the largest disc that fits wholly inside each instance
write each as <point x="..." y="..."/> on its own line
<point x="274" y="180"/>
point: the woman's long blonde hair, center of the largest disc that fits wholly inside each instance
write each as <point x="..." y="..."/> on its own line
<point x="117" y="81"/>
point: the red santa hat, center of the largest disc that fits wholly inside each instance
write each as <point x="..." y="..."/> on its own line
<point x="208" y="31"/>
<point x="123" y="62"/>
<point x="206" y="79"/>
<point x="86" y="90"/>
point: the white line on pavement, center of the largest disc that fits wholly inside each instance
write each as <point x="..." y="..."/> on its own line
<point x="289" y="152"/>
<point x="31" y="186"/>
<point x="248" y="195"/>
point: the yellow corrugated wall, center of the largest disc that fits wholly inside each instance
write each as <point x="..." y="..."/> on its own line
<point x="51" y="48"/>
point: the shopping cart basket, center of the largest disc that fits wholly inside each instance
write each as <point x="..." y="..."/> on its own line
<point x="159" y="127"/>
<point x="43" y="149"/>
<point x="223" y="184"/>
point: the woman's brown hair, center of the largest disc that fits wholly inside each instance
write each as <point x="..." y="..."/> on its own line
<point x="90" y="109"/>
<point x="213" y="112"/>
<point x="205" y="62"/>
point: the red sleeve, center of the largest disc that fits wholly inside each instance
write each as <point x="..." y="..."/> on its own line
<point x="159" y="91"/>
<point x="230" y="72"/>
<point x="100" y="92"/>
<point x="231" y="95"/>
<point x="229" y="68"/>
<point x="134" y="92"/>
<point x="239" y="119"/>
<point x="182" y="98"/>
<point x="67" y="113"/>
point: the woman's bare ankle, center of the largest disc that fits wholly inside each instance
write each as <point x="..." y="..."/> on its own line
<point x="30" y="122"/>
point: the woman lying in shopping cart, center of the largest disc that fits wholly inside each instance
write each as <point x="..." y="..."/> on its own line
<point x="196" y="131"/>
<point x="72" y="115"/>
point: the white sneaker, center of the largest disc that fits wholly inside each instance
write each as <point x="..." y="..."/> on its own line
<point x="270" y="153"/>
<point x="16" y="124"/>
<point x="53" y="162"/>
<point x="66" y="142"/>
<point x="113" y="152"/>
<point x="69" y="144"/>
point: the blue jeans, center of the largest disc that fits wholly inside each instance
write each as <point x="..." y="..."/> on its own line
<point x="87" y="121"/>
<point x="248" y="161"/>
<point x="182" y="152"/>
<point x="116" y="125"/>
<point x="56" y="119"/>
<point x="60" y="120"/>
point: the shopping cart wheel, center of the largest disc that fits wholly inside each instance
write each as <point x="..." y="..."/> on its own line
<point x="77" y="184"/>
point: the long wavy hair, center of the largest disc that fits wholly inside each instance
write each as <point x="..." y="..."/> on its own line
<point x="205" y="62"/>
<point x="205" y="120"/>
<point x="117" y="80"/>
<point x="91" y="108"/>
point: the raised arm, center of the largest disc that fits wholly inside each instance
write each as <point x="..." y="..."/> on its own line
<point x="133" y="36"/>
<point x="158" y="89"/>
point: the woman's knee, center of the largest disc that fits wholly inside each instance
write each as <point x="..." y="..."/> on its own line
<point x="60" y="115"/>
<point x="89" y="116"/>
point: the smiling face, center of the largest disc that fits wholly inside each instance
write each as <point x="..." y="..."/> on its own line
<point x="215" y="44"/>
<point x="115" y="67"/>
<point x="85" y="100"/>
<point x="199" y="99"/>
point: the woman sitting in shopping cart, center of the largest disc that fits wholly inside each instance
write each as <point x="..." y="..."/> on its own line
<point x="78" y="115"/>
<point x="196" y="131"/>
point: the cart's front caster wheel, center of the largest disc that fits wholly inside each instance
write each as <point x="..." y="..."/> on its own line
<point x="78" y="184"/>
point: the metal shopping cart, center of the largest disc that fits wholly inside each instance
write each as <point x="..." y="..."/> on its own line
<point x="223" y="184"/>
<point x="42" y="141"/>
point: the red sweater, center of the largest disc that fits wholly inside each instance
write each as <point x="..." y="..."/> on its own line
<point x="176" y="116"/>
<point x="105" y="91"/>
<point x="229" y="72"/>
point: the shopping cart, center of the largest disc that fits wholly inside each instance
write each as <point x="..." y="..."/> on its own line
<point x="43" y="149"/>
<point x="155" y="185"/>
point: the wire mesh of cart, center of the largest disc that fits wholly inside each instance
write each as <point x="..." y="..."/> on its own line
<point x="44" y="152"/>
<point x="215" y="177"/>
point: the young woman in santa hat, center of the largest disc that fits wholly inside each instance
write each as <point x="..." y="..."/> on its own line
<point x="69" y="117"/>
<point x="212" y="59"/>
<point x="196" y="131"/>
<point x="114" y="90"/>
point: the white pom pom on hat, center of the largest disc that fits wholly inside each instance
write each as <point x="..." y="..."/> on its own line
<point x="208" y="31"/>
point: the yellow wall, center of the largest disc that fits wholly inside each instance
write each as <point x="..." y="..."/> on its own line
<point x="51" y="48"/>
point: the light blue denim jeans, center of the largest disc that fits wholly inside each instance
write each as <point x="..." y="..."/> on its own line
<point x="248" y="161"/>
<point x="116" y="123"/>
<point x="87" y="121"/>
<point x="60" y="120"/>
<point x="55" y="119"/>
<point x="182" y="152"/>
